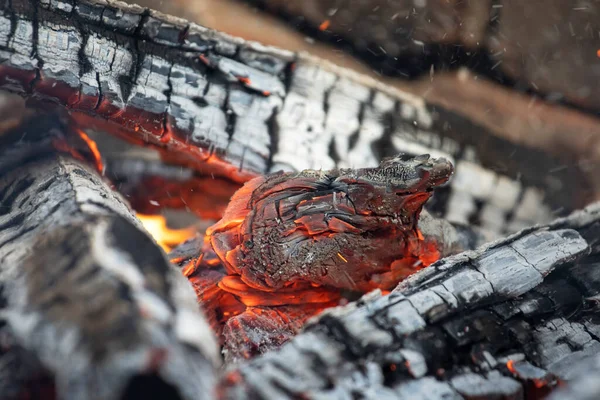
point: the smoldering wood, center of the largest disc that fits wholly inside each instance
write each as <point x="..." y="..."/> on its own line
<point x="289" y="245"/>
<point x="566" y="343"/>
<point x="238" y="109"/>
<point x="505" y="321"/>
<point x="90" y="306"/>
<point x="288" y="227"/>
<point x="509" y="37"/>
<point x="244" y="330"/>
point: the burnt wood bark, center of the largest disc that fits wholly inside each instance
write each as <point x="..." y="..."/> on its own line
<point x="547" y="46"/>
<point x="505" y="321"/>
<point x="238" y="109"/>
<point x="90" y="307"/>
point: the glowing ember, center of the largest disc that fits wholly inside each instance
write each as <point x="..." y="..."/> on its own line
<point x="338" y="229"/>
<point x="510" y="364"/>
<point x="166" y="237"/>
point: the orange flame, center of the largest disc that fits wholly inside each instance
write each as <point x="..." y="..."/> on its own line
<point x="166" y="237"/>
<point x="93" y="148"/>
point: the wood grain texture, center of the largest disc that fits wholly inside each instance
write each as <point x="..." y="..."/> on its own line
<point x="505" y="321"/>
<point x="89" y="304"/>
<point x="238" y="108"/>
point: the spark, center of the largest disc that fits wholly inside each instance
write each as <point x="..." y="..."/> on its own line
<point x="324" y="25"/>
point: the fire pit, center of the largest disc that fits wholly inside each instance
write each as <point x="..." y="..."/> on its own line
<point x="324" y="264"/>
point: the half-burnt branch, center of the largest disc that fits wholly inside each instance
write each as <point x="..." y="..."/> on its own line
<point x="89" y="301"/>
<point x="505" y="321"/>
<point x="151" y="185"/>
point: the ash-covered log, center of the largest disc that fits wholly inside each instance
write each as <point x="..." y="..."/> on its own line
<point x="507" y="321"/>
<point x="90" y="307"/>
<point x="584" y="385"/>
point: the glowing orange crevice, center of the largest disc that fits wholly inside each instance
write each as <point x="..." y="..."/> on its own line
<point x="296" y="293"/>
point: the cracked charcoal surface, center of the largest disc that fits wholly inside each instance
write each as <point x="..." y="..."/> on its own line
<point x="199" y="94"/>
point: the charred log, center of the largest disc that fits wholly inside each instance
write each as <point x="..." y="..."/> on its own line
<point x="90" y="307"/>
<point x="151" y="186"/>
<point x="505" y="321"/>
<point x="239" y="109"/>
